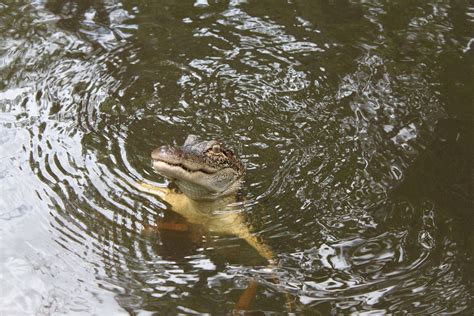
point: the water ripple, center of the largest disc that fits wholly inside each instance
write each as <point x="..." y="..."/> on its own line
<point x="328" y="123"/>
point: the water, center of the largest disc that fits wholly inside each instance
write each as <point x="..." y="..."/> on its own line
<point x="354" y="121"/>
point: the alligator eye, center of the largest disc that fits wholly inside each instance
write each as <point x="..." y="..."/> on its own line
<point x="216" y="148"/>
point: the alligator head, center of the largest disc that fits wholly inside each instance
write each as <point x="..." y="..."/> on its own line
<point x="202" y="170"/>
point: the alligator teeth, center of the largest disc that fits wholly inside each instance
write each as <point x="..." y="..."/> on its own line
<point x="180" y="165"/>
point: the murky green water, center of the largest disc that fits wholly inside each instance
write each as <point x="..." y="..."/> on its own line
<point x="354" y="121"/>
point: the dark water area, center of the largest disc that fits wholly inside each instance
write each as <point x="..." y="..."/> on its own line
<point x="353" y="119"/>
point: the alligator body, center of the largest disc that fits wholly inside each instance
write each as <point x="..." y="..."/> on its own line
<point x="208" y="176"/>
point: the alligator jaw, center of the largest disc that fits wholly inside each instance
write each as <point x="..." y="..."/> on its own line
<point x="175" y="157"/>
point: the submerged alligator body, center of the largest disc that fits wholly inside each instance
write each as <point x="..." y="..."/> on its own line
<point x="208" y="176"/>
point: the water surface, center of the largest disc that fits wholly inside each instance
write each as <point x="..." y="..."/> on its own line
<point x="354" y="122"/>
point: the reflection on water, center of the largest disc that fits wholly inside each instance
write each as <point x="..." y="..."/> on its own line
<point x="353" y="121"/>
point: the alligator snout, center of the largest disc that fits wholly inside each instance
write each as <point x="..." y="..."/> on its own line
<point x="163" y="152"/>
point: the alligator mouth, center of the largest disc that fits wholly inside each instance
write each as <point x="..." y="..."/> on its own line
<point x="183" y="166"/>
<point x="175" y="160"/>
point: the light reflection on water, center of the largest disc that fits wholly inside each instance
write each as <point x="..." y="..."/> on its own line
<point x="329" y="106"/>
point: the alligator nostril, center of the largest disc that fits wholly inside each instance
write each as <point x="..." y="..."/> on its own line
<point x="160" y="152"/>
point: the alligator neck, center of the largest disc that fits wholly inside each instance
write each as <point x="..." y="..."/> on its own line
<point x="212" y="207"/>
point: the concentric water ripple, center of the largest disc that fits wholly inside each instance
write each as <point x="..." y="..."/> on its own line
<point x="330" y="106"/>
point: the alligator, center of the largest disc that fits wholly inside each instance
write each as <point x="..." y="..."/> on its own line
<point x="208" y="176"/>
